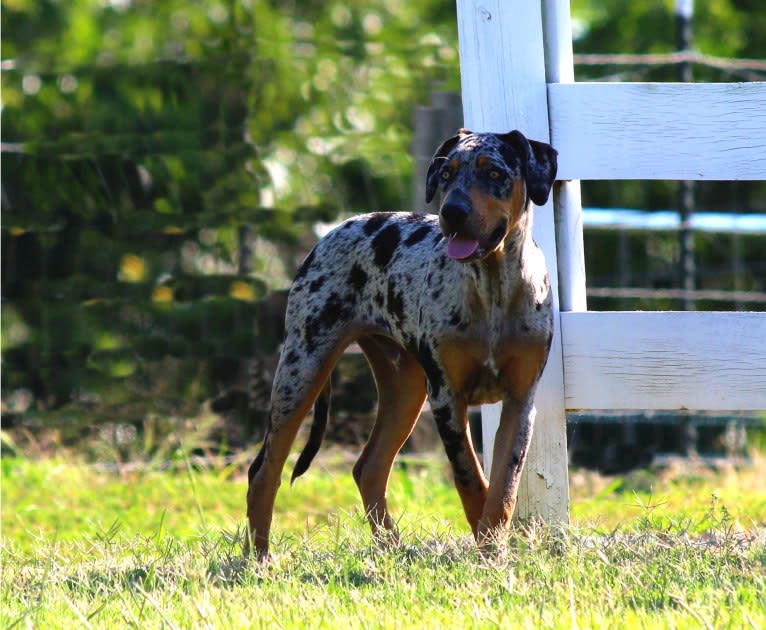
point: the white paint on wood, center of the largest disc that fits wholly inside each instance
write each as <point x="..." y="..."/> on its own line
<point x="501" y="66"/>
<point x="690" y="131"/>
<point x="665" y="360"/>
<point x="705" y="361"/>
<point x="503" y="86"/>
<point x="557" y="35"/>
<point x="559" y="68"/>
<point x="570" y="247"/>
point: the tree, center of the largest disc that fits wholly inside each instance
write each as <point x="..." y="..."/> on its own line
<point x="163" y="165"/>
<point x="148" y="147"/>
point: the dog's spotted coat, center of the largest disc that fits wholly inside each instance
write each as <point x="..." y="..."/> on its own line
<point x="456" y="305"/>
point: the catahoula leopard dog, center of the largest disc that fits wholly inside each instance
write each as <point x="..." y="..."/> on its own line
<point x="454" y="307"/>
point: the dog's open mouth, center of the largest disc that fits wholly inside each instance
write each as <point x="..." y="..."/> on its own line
<point x="465" y="248"/>
<point x="461" y="247"/>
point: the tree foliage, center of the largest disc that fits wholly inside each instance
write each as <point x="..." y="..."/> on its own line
<point x="163" y="165"/>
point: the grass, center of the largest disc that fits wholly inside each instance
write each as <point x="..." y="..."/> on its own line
<point x="674" y="549"/>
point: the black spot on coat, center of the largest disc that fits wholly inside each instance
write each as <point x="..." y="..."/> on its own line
<point x="375" y="222"/>
<point x="418" y="235"/>
<point x="306" y="264"/>
<point x="336" y="309"/>
<point x="395" y="303"/>
<point x="385" y="243"/>
<point x="292" y="357"/>
<point x="357" y="278"/>
<point x="457" y="321"/>
<point x="454" y="443"/>
<point x="430" y="367"/>
<point x="316" y="284"/>
<point x="312" y="329"/>
<point x="286" y="390"/>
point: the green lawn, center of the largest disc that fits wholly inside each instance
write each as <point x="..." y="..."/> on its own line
<point x="679" y="549"/>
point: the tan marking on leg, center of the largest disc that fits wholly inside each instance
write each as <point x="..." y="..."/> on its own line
<point x="473" y="497"/>
<point x="500" y="504"/>
<point x="262" y="489"/>
<point x="460" y="360"/>
<point x="401" y="392"/>
<point x="522" y="366"/>
<point x="511" y="442"/>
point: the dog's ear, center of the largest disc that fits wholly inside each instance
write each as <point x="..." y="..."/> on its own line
<point x="539" y="163"/>
<point x="434" y="168"/>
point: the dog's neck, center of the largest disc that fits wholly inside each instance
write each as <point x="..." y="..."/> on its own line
<point x="499" y="276"/>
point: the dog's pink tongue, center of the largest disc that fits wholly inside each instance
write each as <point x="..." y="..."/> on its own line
<point x="460" y="247"/>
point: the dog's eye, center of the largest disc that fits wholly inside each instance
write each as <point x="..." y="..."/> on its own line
<point x="493" y="174"/>
<point x="446" y="174"/>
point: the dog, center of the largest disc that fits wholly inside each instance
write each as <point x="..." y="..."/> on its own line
<point x="455" y="307"/>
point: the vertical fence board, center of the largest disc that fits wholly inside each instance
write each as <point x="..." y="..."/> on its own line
<point x="504" y="87"/>
<point x="559" y="68"/>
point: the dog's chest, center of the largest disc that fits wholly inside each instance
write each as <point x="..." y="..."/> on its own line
<point x="481" y="363"/>
<point x="491" y="336"/>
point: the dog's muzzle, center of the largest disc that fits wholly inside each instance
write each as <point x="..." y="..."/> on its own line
<point x="454" y="211"/>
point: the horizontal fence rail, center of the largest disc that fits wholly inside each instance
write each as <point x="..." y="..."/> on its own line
<point x="627" y="219"/>
<point x="711" y="361"/>
<point x="613" y="131"/>
<point x="677" y="131"/>
<point x="644" y="293"/>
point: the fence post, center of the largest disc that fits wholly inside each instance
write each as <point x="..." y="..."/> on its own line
<point x="504" y="87"/>
<point x="570" y="249"/>
<point x="684" y="14"/>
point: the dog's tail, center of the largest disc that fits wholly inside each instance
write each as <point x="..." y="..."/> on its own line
<point x="318" y="426"/>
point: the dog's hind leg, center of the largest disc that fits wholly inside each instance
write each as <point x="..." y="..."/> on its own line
<point x="298" y="381"/>
<point x="401" y="393"/>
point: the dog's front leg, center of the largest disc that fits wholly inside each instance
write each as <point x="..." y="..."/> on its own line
<point x="452" y="422"/>
<point x="508" y="456"/>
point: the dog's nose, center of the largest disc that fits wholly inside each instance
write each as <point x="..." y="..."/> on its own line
<point x="455" y="210"/>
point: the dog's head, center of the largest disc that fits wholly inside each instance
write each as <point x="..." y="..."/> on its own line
<point x="486" y="181"/>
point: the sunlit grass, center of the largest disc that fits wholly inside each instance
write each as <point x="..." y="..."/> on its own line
<point x="677" y="549"/>
<point x="684" y="492"/>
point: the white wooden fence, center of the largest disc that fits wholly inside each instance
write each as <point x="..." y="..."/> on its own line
<point x="517" y="73"/>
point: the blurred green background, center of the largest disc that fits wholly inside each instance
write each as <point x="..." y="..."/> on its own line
<point x="164" y="165"/>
